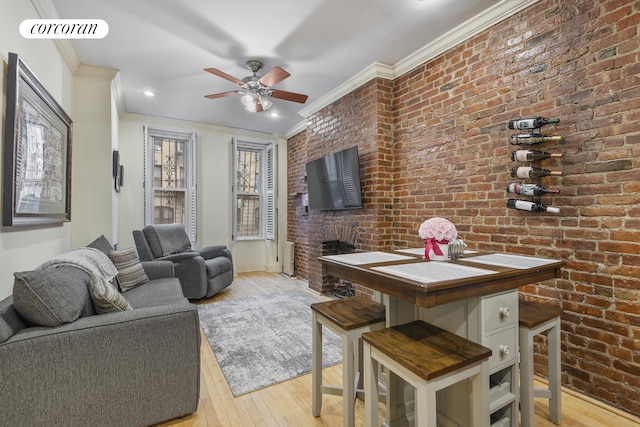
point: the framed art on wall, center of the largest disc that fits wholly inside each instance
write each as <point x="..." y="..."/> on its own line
<point x="36" y="186"/>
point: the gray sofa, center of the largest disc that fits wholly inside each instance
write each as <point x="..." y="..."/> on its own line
<point x="129" y="368"/>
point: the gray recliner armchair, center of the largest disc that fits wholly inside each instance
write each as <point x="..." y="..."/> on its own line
<point x="202" y="272"/>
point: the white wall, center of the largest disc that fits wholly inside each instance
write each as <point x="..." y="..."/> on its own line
<point x="214" y="187"/>
<point x="24" y="248"/>
<point x="92" y="183"/>
<point x="95" y="209"/>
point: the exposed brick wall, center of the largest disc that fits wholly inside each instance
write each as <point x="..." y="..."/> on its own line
<point x="448" y="152"/>
<point x="362" y="118"/>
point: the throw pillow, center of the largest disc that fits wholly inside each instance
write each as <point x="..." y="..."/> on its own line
<point x="103" y="245"/>
<point x="106" y="298"/>
<point x="53" y="296"/>
<point x="130" y="270"/>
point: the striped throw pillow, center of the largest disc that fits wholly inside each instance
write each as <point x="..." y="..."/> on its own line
<point x="130" y="271"/>
<point x="106" y="298"/>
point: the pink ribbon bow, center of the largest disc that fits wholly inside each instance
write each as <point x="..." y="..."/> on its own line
<point x="432" y="244"/>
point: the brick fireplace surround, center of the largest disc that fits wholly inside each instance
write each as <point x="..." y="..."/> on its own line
<point x="335" y="239"/>
<point x="434" y="142"/>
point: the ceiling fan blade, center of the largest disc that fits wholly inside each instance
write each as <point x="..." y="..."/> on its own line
<point x="258" y="106"/>
<point x="223" y="94"/>
<point x="289" y="96"/>
<point x="273" y="77"/>
<point x="225" y="76"/>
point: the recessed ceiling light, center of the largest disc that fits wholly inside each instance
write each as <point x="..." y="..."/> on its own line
<point x="273" y="114"/>
<point x="148" y="93"/>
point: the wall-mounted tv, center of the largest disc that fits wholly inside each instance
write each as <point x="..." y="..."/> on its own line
<point x="334" y="181"/>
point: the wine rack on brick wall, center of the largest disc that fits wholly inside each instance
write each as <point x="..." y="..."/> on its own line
<point x="528" y="157"/>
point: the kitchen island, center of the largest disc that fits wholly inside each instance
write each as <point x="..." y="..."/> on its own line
<point x="475" y="296"/>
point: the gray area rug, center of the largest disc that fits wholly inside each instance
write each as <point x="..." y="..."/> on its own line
<point x="266" y="339"/>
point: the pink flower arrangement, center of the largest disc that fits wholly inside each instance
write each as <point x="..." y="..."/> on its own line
<point x="435" y="232"/>
<point x="439" y="229"/>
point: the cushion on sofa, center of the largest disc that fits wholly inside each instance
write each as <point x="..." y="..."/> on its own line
<point x="217" y="266"/>
<point x="156" y="293"/>
<point x="10" y="320"/>
<point x="167" y="239"/>
<point x="130" y="270"/>
<point x="104" y="245"/>
<point x="106" y="298"/>
<point x="53" y="296"/>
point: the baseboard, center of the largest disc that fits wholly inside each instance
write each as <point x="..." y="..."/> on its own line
<point x="594" y="402"/>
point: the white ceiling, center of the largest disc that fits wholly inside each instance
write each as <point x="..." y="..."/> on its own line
<point x="164" y="45"/>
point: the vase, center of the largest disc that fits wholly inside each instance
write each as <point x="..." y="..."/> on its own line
<point x="444" y="248"/>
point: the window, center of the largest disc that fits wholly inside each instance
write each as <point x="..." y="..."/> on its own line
<point x="253" y="190"/>
<point x="170" y="184"/>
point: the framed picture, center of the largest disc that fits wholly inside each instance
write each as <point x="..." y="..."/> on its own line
<point x="36" y="187"/>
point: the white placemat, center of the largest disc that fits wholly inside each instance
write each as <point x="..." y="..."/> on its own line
<point x="367" y="257"/>
<point x="420" y="251"/>
<point x="433" y="271"/>
<point x="513" y="261"/>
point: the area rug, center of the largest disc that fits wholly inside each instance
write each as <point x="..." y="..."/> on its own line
<point x="266" y="339"/>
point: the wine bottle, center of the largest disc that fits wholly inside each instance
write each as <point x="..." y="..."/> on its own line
<point x="530" y="189"/>
<point x="532" y="123"/>
<point x="525" y="205"/>
<point x="532" y="138"/>
<point x="530" y="172"/>
<point x="532" y="155"/>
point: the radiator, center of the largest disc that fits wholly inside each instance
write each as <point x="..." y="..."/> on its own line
<point x="288" y="258"/>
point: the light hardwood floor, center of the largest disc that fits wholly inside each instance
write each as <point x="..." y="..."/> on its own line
<point x="289" y="403"/>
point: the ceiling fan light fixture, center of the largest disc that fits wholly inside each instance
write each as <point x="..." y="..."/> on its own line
<point x="266" y="102"/>
<point x="249" y="102"/>
<point x="256" y="91"/>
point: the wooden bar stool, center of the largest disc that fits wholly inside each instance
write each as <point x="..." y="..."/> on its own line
<point x="535" y="319"/>
<point x="430" y="359"/>
<point x="349" y="318"/>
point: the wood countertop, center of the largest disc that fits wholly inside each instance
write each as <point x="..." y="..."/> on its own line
<point x="407" y="276"/>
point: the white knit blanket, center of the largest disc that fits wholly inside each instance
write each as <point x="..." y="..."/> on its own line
<point x="90" y="260"/>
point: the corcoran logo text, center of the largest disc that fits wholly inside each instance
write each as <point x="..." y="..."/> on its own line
<point x="64" y="29"/>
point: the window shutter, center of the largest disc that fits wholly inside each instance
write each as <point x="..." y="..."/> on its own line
<point x="234" y="198"/>
<point x="191" y="188"/>
<point x="147" y="185"/>
<point x="270" y="228"/>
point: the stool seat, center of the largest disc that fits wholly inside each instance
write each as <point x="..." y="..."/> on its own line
<point x="425" y="349"/>
<point x="539" y="319"/>
<point x="348" y="318"/>
<point x="532" y="314"/>
<point x="430" y="359"/>
<point x="351" y="313"/>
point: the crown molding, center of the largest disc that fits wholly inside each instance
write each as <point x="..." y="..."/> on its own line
<point x="461" y="33"/>
<point x="454" y="37"/>
<point x="118" y="94"/>
<point x="47" y="10"/>
<point x="95" y="72"/>
<point x="377" y="69"/>
<point x="299" y="127"/>
<point x="198" y="126"/>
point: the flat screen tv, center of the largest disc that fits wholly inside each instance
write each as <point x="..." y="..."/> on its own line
<point x="334" y="181"/>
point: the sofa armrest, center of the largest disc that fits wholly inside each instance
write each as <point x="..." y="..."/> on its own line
<point x="89" y="371"/>
<point x="179" y="256"/>
<point x="192" y="273"/>
<point x="158" y="269"/>
<point x="210" y="252"/>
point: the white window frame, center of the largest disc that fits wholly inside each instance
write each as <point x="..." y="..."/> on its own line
<point x="190" y="185"/>
<point x="268" y="166"/>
